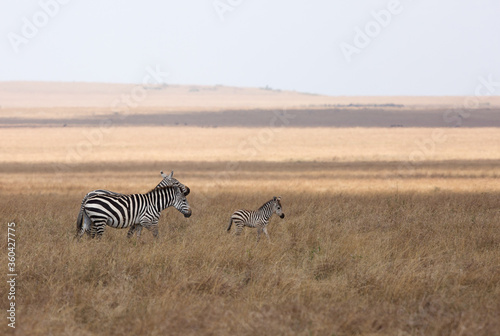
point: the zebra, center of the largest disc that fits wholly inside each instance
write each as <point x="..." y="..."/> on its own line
<point x="258" y="218"/>
<point x="135" y="211"/>
<point x="168" y="180"/>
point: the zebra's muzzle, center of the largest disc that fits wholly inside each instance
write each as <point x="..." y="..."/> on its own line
<point x="282" y="215"/>
<point x="187" y="214"/>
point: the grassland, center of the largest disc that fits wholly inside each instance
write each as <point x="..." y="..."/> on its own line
<point x="377" y="238"/>
<point x="339" y="263"/>
<point x="79" y="145"/>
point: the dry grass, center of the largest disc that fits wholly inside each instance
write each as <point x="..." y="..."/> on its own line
<point x="421" y="261"/>
<point x="82" y="145"/>
<point x="376" y="240"/>
<point x="313" y="177"/>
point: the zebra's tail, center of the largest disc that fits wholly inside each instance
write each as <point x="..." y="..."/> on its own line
<point x="82" y="223"/>
<point x="79" y="222"/>
<point x="230" y="223"/>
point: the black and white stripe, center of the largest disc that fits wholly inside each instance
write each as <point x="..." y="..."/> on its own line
<point x="84" y="221"/>
<point x="258" y="218"/>
<point x="132" y="211"/>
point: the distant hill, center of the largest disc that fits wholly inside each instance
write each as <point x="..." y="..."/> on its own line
<point x="194" y="98"/>
<point x="89" y="104"/>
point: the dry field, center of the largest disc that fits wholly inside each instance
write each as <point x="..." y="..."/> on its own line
<point x="387" y="231"/>
<point x="77" y="145"/>
<point x="53" y="99"/>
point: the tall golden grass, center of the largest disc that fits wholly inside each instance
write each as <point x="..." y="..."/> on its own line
<point x="363" y="250"/>
<point x="80" y="145"/>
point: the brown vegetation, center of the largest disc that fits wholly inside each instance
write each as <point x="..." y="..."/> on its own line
<point x="378" y="260"/>
<point x="81" y="145"/>
<point x="390" y="231"/>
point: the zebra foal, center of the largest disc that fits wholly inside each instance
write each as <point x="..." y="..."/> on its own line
<point x="257" y="218"/>
<point x="135" y="211"/>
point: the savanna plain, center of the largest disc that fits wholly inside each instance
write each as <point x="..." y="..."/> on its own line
<point x="388" y="231"/>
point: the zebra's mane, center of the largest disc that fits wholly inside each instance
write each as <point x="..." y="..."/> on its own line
<point x="267" y="203"/>
<point x="163" y="187"/>
<point x="168" y="182"/>
<point x="171" y="181"/>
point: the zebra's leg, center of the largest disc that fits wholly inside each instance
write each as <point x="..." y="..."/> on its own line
<point x="259" y="230"/>
<point x="139" y="230"/>
<point x="98" y="229"/>
<point x="92" y="231"/>
<point x="238" y="229"/>
<point x="131" y="231"/>
<point x="88" y="231"/>
<point x="153" y="227"/>
<point x="150" y="223"/>
<point x="80" y="233"/>
<point x="264" y="229"/>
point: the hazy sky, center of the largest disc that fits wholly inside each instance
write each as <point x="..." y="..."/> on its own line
<point x="335" y="47"/>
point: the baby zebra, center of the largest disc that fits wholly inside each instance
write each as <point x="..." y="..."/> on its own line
<point x="258" y="218"/>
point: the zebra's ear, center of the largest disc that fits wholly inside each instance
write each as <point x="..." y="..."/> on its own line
<point x="274" y="198"/>
<point x="163" y="174"/>
<point x="279" y="198"/>
<point x="171" y="174"/>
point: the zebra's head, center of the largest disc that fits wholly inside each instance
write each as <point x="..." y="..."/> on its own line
<point x="169" y="181"/>
<point x="180" y="202"/>
<point x="277" y="206"/>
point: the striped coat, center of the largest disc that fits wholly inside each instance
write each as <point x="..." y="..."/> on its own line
<point x="133" y="211"/>
<point x="256" y="218"/>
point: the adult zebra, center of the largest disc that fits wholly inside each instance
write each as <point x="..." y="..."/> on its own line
<point x="135" y="211"/>
<point x="258" y="218"/>
<point x="84" y="221"/>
